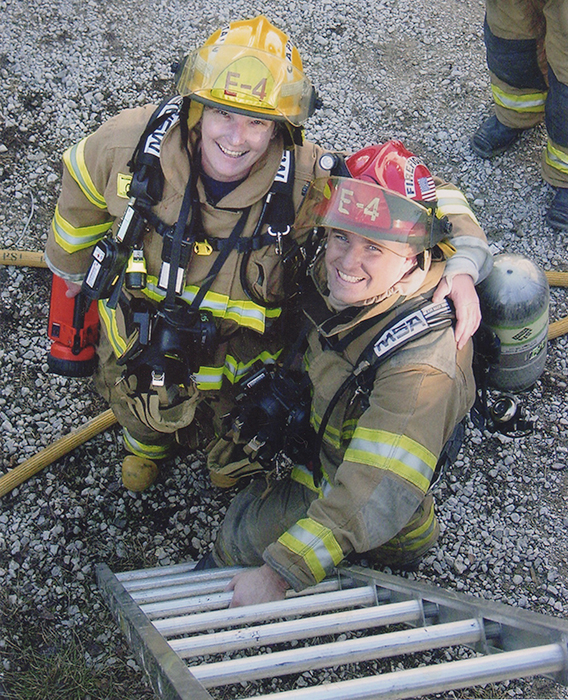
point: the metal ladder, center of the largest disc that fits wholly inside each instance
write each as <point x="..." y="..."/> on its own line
<point x="183" y="634"/>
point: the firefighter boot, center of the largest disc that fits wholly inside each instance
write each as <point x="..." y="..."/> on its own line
<point x="138" y="472"/>
<point x="493" y="138"/>
<point x="557" y="215"/>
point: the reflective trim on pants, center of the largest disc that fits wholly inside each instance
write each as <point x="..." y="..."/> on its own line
<point x="141" y="449"/>
<point x="413" y="541"/>
<point x="519" y="102"/>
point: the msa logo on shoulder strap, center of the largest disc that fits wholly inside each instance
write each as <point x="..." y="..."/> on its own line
<point x="170" y="114"/>
<point x="283" y="173"/>
<point x="411" y="326"/>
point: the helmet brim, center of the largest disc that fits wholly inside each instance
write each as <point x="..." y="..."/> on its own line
<point x="368" y="210"/>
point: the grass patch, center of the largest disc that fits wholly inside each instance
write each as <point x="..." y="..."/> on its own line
<point x="39" y="664"/>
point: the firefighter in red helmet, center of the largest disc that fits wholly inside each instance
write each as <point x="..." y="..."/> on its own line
<point x="388" y="389"/>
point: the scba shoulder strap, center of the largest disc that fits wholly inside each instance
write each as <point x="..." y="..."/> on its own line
<point x="147" y="179"/>
<point x="404" y="328"/>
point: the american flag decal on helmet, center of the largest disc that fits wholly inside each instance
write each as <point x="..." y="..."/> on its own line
<point x="427" y="188"/>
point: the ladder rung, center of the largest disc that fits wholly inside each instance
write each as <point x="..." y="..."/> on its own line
<point x="436" y="678"/>
<point x="125" y="576"/>
<point x="183" y="590"/>
<point x="303" y="628"/>
<point x="186" y="606"/>
<point x="175" y="578"/>
<point x="379" y="646"/>
<point x="216" y="601"/>
<point x="307" y="605"/>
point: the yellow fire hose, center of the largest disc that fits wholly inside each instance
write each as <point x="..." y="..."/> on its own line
<point x="60" y="447"/>
<point x="22" y="258"/>
<point x="560" y="327"/>
<point x="556" y="279"/>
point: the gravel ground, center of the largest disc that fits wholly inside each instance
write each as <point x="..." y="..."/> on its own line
<point x="387" y="69"/>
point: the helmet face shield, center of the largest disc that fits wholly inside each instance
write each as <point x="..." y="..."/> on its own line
<point x="247" y="79"/>
<point x="366" y="209"/>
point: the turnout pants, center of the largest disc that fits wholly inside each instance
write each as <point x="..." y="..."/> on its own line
<point x="527" y="55"/>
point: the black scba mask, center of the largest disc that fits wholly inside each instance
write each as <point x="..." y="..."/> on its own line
<point x="170" y="346"/>
<point x="272" y="417"/>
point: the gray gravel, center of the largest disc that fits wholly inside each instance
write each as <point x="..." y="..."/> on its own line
<point x="387" y="69"/>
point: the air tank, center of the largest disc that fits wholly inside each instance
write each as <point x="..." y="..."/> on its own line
<point x="514" y="304"/>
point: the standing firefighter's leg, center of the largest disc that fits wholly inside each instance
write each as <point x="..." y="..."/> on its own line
<point x="555" y="155"/>
<point x="513" y="40"/>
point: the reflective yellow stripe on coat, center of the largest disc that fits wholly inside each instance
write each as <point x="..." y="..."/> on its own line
<point x="417" y="538"/>
<point x="316" y="545"/>
<point x="452" y="201"/>
<point x="396" y="453"/>
<point x="74" y="160"/>
<point x="243" y="312"/>
<point x="72" y="238"/>
<point x="333" y="435"/>
<point x="108" y="319"/>
<point x="304" y="476"/>
<point x="211" y="378"/>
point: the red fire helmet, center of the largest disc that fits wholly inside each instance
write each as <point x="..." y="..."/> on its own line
<point x="393" y="166"/>
<point x="390" y="199"/>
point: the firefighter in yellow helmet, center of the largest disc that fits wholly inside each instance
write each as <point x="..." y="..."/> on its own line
<point x="249" y="67"/>
<point x="179" y="220"/>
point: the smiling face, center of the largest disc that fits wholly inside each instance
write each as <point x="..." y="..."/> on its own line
<point x="232" y="143"/>
<point x="359" y="268"/>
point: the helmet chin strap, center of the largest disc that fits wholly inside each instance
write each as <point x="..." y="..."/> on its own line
<point x="292" y="135"/>
<point x="423" y="259"/>
<point x="194" y="114"/>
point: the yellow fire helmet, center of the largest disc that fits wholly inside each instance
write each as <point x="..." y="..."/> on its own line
<point x="249" y="67"/>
